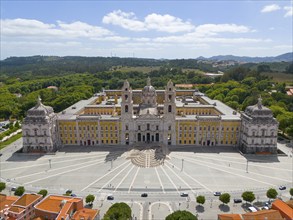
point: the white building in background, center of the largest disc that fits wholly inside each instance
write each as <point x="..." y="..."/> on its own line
<point x="39" y="129"/>
<point x="259" y="130"/>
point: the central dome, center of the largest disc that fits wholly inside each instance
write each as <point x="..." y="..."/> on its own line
<point x="149" y="95"/>
<point x="148" y="88"/>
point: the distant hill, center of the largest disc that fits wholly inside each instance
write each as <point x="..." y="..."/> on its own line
<point x="286" y="57"/>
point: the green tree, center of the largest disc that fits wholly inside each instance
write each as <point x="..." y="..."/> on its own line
<point x="17" y="125"/>
<point x="225" y="198"/>
<point x="19" y="191"/>
<point x="118" y="211"/>
<point x="248" y="196"/>
<point x="90" y="199"/>
<point x="200" y="200"/>
<point x="181" y="215"/>
<point x="291" y="191"/>
<point x="43" y="192"/>
<point x="272" y="193"/>
<point x="2" y="186"/>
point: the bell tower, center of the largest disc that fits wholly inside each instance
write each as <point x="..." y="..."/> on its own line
<point x="127" y="131"/>
<point x="127" y="103"/>
<point x="169" y="114"/>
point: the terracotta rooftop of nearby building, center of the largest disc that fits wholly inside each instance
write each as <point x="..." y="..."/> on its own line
<point x="285" y="210"/>
<point x="263" y="214"/>
<point x="229" y="217"/>
<point x="290" y="203"/>
<point x="88" y="214"/>
<point x="53" y="203"/>
<point x="64" y="211"/>
<point x="27" y="199"/>
<point x="16" y="209"/>
<point x="6" y="201"/>
<point x="38" y="218"/>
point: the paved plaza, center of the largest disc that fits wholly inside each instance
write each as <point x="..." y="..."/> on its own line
<point x="196" y="171"/>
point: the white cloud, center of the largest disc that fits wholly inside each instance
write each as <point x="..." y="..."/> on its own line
<point x="289" y="10"/>
<point x="81" y="29"/>
<point x="123" y="19"/>
<point x="112" y="38"/>
<point x="213" y="29"/>
<point x="167" y="23"/>
<point x="163" y="23"/>
<point x="37" y="29"/>
<point x="195" y="38"/>
<point x="270" y="8"/>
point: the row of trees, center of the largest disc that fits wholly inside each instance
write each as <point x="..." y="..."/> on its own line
<point x="247" y="196"/>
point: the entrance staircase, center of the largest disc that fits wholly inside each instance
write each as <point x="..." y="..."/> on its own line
<point x="147" y="158"/>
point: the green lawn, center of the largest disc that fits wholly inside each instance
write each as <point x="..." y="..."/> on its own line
<point x="10" y="140"/>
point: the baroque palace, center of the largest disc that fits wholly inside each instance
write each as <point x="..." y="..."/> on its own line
<point x="149" y="116"/>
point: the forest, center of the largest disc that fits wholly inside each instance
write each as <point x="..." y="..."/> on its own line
<point x="22" y="79"/>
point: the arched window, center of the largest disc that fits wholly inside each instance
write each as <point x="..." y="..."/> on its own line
<point x="169" y="108"/>
<point x="139" y="137"/>
<point x="126" y="108"/>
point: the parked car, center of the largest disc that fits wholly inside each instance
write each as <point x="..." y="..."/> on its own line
<point x="217" y="193"/>
<point x="68" y="191"/>
<point x="13" y="188"/>
<point x="282" y="187"/>
<point x="252" y="209"/>
<point x="184" y="194"/>
<point x="110" y="197"/>
<point x="144" y="195"/>
<point x="265" y="208"/>
<point x="237" y="200"/>
<point x="73" y="195"/>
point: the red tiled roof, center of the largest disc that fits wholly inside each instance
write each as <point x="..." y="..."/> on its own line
<point x="229" y="217"/>
<point x="16" y="209"/>
<point x="85" y="214"/>
<point x="27" y="199"/>
<point x="263" y="214"/>
<point x="6" y="201"/>
<point x="52" y="203"/>
<point x="285" y="210"/>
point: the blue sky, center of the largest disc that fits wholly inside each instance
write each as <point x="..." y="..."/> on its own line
<point x="152" y="29"/>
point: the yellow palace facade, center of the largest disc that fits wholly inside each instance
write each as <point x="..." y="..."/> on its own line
<point x="136" y="117"/>
<point x="196" y="120"/>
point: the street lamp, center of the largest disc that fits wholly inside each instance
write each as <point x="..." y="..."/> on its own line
<point x="111" y="164"/>
<point x="246" y="165"/>
<point x="50" y="163"/>
<point x="182" y="164"/>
